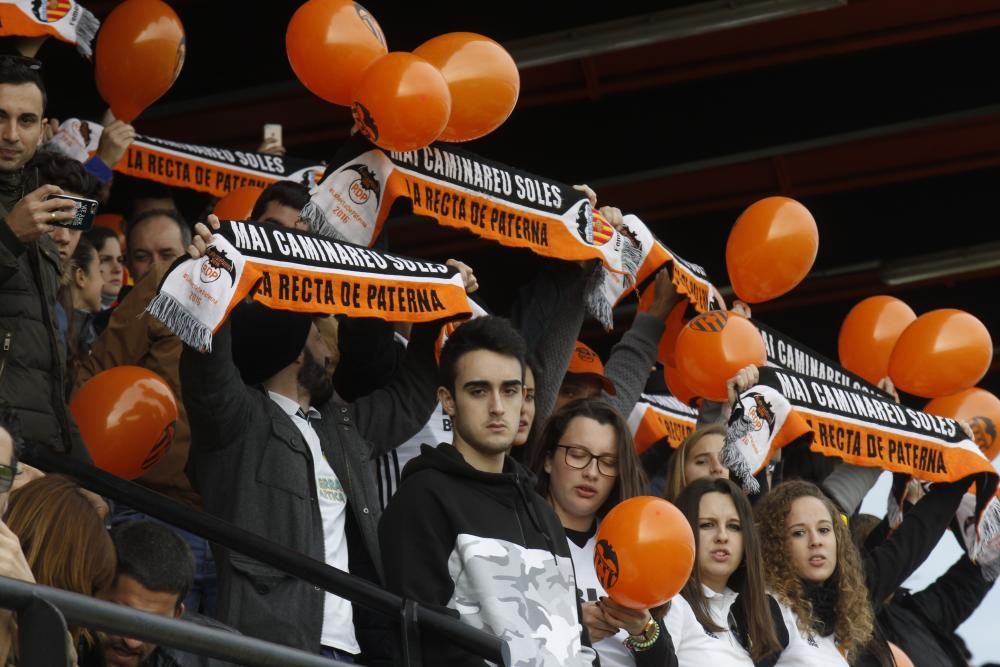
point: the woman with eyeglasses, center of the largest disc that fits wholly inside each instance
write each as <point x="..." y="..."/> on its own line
<point x="723" y="616"/>
<point x="111" y="262"/>
<point x="586" y="464"/>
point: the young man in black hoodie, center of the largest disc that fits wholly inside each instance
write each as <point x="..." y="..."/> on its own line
<point x="466" y="530"/>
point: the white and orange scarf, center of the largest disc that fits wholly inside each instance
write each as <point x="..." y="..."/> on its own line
<point x="66" y="20"/>
<point x="291" y="270"/>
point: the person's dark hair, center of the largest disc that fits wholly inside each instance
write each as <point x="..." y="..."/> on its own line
<point x="54" y="168"/>
<point x="494" y="334"/>
<point x="287" y="193"/>
<point x="155" y="556"/>
<point x="747" y="580"/>
<point x="83" y="255"/>
<point x="14" y="72"/>
<point x="173" y="214"/>
<point x="631" y="480"/>
<point x="98" y="236"/>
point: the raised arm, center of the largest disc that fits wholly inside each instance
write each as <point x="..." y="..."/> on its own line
<point x="632" y="358"/>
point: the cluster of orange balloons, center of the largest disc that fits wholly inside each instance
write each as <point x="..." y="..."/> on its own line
<point x="126" y="416"/>
<point x="940" y="355"/>
<point x="455" y="87"/>
<point x="868" y="334"/>
<point x="139" y="54"/>
<point x="771" y="248"/>
<point x="644" y="552"/>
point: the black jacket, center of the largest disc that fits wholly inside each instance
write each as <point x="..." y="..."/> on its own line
<point x="923" y="623"/>
<point x="253" y="468"/>
<point x="488" y="549"/>
<point x="32" y="358"/>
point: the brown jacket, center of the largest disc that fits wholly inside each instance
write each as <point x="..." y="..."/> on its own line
<point x="135" y="338"/>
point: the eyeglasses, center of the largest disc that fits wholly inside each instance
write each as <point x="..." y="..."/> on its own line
<point x="24" y="61"/>
<point x="7" y="475"/>
<point x="579" y="459"/>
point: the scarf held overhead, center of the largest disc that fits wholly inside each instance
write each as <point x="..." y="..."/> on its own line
<point x="66" y="20"/>
<point x="217" y="171"/>
<point x="291" y="270"/>
<point x="860" y="428"/>
<point x="656" y="417"/>
<point x="493" y="201"/>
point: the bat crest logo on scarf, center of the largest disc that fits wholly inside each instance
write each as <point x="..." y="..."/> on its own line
<point x="362" y="188"/>
<point x="606" y="564"/>
<point x="50" y="11"/>
<point x="215" y="263"/>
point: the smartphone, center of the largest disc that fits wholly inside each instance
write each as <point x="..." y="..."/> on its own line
<point x="86" y="209"/>
<point x="272" y="133"/>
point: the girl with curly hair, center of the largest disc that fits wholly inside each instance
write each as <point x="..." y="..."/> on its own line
<point x="723" y="616"/>
<point x="827" y="594"/>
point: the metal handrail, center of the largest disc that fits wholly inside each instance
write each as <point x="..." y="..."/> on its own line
<point x="318" y="573"/>
<point x="183" y="635"/>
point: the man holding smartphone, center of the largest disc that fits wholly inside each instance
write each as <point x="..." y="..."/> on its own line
<point x="32" y="363"/>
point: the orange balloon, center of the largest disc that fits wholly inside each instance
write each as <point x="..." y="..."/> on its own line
<point x="713" y="347"/>
<point x="900" y="658"/>
<point x="126" y="416"/>
<point x="676" y="385"/>
<point x="483" y="80"/>
<point x="402" y="102"/>
<point x="238" y="204"/>
<point x="330" y="44"/>
<point x="942" y="352"/>
<point x="771" y="248"/>
<point x="869" y="333"/>
<point x="978" y="407"/>
<point x="644" y="553"/>
<point x="140" y="52"/>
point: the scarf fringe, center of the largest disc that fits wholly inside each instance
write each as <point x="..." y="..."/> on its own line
<point x="186" y="326"/>
<point x="733" y="458"/>
<point x="86" y="31"/>
<point x="987" y="551"/>
<point x="318" y="224"/>
<point x="597" y="302"/>
<point x="632" y="259"/>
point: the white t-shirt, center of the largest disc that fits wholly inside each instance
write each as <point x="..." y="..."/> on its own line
<point x="338" y="616"/>
<point x="611" y="650"/>
<point x="807" y="650"/>
<point x="696" y="646"/>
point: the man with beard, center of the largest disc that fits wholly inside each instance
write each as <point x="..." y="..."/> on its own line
<point x="274" y="452"/>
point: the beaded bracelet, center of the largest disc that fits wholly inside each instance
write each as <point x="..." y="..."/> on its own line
<point x="640" y="645"/>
